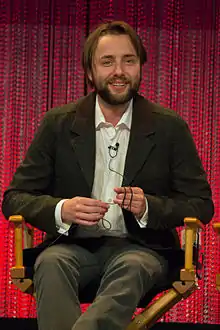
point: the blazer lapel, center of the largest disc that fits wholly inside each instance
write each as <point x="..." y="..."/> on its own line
<point x="141" y="141"/>
<point x="83" y="137"/>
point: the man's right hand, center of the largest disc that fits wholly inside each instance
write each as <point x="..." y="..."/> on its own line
<point x="83" y="211"/>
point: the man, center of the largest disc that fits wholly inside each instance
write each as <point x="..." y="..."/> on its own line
<point x="108" y="179"/>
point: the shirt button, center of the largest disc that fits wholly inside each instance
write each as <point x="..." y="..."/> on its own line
<point x="109" y="200"/>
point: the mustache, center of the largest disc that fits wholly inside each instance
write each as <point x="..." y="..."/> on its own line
<point x="123" y="79"/>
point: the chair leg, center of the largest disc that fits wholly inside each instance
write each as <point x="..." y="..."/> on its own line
<point x="19" y="280"/>
<point x="151" y="314"/>
<point x="25" y="285"/>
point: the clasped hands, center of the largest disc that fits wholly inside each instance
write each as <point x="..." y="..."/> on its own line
<point x="88" y="211"/>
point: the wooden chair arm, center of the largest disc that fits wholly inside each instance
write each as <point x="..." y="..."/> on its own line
<point x="23" y="234"/>
<point x="192" y="225"/>
<point x="23" y="238"/>
<point x="18" y="220"/>
<point x="216" y="227"/>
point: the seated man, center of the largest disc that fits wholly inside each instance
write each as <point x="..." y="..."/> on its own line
<point x="108" y="178"/>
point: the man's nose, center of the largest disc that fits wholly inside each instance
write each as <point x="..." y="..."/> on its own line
<point x="118" y="69"/>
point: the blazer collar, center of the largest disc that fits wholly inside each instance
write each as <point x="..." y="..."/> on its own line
<point x="84" y="115"/>
<point x="83" y="137"/>
<point x="142" y="122"/>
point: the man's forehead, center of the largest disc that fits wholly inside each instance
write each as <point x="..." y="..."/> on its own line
<point x="114" y="44"/>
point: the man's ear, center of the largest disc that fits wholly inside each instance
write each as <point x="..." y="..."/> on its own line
<point x="89" y="75"/>
<point x="89" y="79"/>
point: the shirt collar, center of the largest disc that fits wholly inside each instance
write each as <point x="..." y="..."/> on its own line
<point x="124" y="121"/>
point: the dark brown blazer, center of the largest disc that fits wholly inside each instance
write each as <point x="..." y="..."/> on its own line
<point x="161" y="159"/>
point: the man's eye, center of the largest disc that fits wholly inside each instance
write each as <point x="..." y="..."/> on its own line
<point x="107" y="63"/>
<point x="130" y="61"/>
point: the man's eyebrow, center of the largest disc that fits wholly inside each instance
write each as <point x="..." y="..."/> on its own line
<point x="106" y="56"/>
<point x="111" y="56"/>
<point x="130" y="55"/>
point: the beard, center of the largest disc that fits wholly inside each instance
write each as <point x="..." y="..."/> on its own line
<point x="102" y="89"/>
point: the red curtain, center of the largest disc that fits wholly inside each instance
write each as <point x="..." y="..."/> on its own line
<point x="40" y="47"/>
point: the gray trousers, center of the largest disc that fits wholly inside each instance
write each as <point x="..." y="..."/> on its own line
<point x="128" y="271"/>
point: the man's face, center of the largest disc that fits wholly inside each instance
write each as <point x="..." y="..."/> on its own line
<point x="116" y="71"/>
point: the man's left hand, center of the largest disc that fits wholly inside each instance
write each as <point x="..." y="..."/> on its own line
<point x="132" y="199"/>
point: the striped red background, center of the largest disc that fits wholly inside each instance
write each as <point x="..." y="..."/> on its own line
<point x="40" y="47"/>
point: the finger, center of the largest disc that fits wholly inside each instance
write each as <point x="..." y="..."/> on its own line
<point x="135" y="190"/>
<point x="121" y="190"/>
<point x="133" y="207"/>
<point x="127" y="202"/>
<point x="90" y="217"/>
<point x="91" y="209"/>
<point x="129" y="196"/>
<point x="130" y="203"/>
<point x="92" y="202"/>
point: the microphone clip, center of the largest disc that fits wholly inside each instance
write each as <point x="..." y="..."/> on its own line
<point x="115" y="148"/>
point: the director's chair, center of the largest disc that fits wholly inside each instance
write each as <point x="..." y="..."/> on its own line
<point x="179" y="287"/>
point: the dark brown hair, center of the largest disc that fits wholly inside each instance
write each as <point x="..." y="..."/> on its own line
<point x="114" y="28"/>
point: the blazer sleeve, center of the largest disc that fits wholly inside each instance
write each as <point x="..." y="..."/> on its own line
<point x="190" y="192"/>
<point x="29" y="191"/>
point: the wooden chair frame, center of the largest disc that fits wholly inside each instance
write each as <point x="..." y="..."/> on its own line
<point x="180" y="289"/>
<point x="216" y="227"/>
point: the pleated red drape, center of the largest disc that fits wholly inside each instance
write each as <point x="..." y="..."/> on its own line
<point x="40" y="47"/>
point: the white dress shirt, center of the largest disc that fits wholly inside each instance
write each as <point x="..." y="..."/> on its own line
<point x="107" y="163"/>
